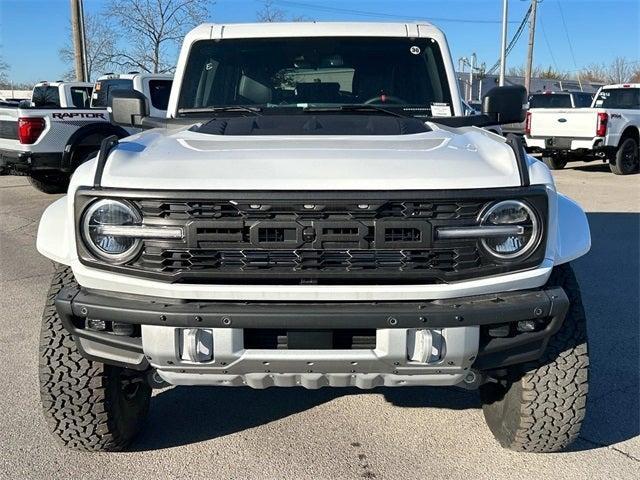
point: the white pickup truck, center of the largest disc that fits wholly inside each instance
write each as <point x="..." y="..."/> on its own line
<point x="608" y="130"/>
<point x="314" y="210"/>
<point x="64" y="124"/>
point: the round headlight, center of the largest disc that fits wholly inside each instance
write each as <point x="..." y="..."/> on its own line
<point x="526" y="231"/>
<point x="102" y="243"/>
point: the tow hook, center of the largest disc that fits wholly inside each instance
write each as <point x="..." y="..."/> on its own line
<point x="154" y="380"/>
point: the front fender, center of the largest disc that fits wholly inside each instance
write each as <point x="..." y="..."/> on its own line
<point x="53" y="233"/>
<point x="573" y="237"/>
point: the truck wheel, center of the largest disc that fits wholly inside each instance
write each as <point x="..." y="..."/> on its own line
<point x="627" y="157"/>
<point x="554" y="163"/>
<point x="88" y="405"/>
<point x="541" y="409"/>
<point x="49" y="182"/>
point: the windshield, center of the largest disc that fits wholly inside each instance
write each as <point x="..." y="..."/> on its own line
<point x="271" y="73"/>
<point x="550" y="100"/>
<point x="622" y="98"/>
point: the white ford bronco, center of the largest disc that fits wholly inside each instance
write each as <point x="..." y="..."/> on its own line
<point x="314" y="210"/>
<point x="64" y="124"/>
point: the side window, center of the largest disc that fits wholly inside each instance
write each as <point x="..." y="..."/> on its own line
<point x="159" y="91"/>
<point x="620" y="98"/>
<point x="46" y="97"/>
<point x="103" y="88"/>
<point x="81" y="97"/>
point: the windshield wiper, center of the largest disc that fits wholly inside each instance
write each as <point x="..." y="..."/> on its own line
<point x="226" y="109"/>
<point x="355" y="108"/>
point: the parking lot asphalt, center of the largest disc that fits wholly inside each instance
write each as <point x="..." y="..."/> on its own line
<point x="330" y="433"/>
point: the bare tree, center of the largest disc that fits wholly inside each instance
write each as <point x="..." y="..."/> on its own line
<point x="620" y="70"/>
<point x="4" y="68"/>
<point x="100" y="40"/>
<point x="151" y="29"/>
<point x="270" y="13"/>
<point x="553" y="74"/>
<point x="594" y="73"/>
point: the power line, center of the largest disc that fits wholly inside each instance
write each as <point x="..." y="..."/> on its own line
<point x="566" y="32"/>
<point x="514" y="40"/>
<point x="546" y="40"/>
<point x="324" y="8"/>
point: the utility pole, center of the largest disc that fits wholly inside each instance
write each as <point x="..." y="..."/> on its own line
<point x="503" y="46"/>
<point x="532" y="34"/>
<point x="76" y="28"/>
<point x="83" y="34"/>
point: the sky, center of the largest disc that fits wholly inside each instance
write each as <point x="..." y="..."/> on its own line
<point x="593" y="31"/>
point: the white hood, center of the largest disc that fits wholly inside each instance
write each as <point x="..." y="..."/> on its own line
<point x="186" y="160"/>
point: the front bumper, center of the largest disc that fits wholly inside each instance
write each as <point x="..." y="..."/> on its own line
<point x="462" y="325"/>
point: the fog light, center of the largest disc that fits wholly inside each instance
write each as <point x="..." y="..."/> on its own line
<point x="423" y="346"/>
<point x="526" y="325"/>
<point x="123" y="329"/>
<point x="196" y="344"/>
<point x="96" y="324"/>
<point x="499" y="331"/>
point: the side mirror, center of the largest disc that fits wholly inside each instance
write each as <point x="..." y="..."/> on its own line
<point x="505" y="104"/>
<point x="128" y="108"/>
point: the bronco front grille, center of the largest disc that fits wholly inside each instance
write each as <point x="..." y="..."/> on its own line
<point x="302" y="237"/>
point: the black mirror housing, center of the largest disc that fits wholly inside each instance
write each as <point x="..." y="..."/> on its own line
<point x="128" y="108"/>
<point x="505" y="104"/>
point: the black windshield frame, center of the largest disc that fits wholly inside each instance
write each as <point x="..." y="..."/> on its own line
<point x="272" y="73"/>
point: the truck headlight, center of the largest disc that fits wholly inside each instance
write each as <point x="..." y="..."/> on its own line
<point x="517" y="241"/>
<point x="100" y="224"/>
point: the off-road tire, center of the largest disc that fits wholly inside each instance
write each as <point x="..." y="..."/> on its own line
<point x="627" y="157"/>
<point x="50" y="182"/>
<point x="88" y="405"/>
<point x="542" y="408"/>
<point x="554" y="162"/>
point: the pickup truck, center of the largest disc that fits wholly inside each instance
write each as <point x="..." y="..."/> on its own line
<point x="608" y="130"/>
<point x="64" y="124"/>
<point x="314" y="211"/>
<point x="552" y="99"/>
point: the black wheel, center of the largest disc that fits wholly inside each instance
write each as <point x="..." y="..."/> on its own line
<point x="554" y="162"/>
<point x="88" y="405"/>
<point x="541" y="409"/>
<point x="627" y="158"/>
<point x="50" y="182"/>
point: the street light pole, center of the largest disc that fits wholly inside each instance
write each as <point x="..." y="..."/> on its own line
<point x="472" y="66"/>
<point x="503" y="47"/>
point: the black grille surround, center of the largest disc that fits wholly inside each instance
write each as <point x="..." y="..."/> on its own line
<point x="375" y="237"/>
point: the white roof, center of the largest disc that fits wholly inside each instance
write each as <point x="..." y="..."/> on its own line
<point x="131" y="76"/>
<point x="312" y="29"/>
<point x="622" y="85"/>
<point x="57" y="84"/>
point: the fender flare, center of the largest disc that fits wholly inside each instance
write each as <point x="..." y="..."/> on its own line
<point x="573" y="238"/>
<point x="53" y="233"/>
<point x="104" y="128"/>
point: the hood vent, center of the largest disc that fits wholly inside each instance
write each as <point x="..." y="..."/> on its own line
<point x="304" y="124"/>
